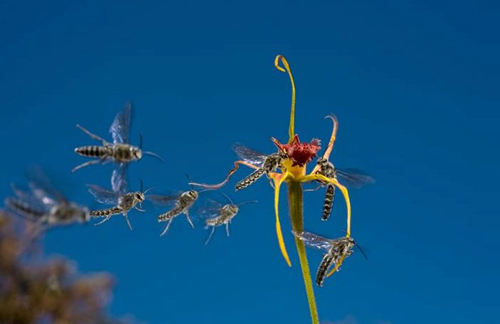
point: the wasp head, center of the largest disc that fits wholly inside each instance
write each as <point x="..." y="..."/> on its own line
<point x="193" y="194"/>
<point x="233" y="209"/>
<point x="136" y="153"/>
<point x="139" y="196"/>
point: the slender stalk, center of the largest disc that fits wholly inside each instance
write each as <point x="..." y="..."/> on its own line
<point x="296" y="214"/>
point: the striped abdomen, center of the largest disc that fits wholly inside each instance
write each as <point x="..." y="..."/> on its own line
<point x="254" y="176"/>
<point x="323" y="268"/>
<point x="328" y="205"/>
<point x="94" y="151"/>
<point x="170" y="214"/>
<point x="22" y="208"/>
<point x="106" y="212"/>
<point x="215" y="221"/>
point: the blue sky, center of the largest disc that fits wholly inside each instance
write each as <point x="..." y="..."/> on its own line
<point x="414" y="85"/>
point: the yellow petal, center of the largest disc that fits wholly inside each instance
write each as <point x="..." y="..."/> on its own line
<point x="291" y="130"/>
<point x="345" y="193"/>
<point x="277" y="184"/>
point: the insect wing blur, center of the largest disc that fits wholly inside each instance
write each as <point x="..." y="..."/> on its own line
<point x="120" y="128"/>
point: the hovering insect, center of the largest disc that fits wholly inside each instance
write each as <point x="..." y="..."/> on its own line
<point x="120" y="151"/>
<point x="182" y="202"/>
<point x="336" y="251"/>
<point x="122" y="200"/>
<point x="219" y="215"/>
<point x="44" y="204"/>
<point x="350" y="177"/>
<point x="266" y="164"/>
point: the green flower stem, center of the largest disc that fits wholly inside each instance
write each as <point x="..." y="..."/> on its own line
<point x="296" y="214"/>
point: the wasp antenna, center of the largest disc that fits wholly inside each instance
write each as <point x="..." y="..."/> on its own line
<point x="248" y="202"/>
<point x="189" y="180"/>
<point x="362" y="251"/>
<point x="228" y="198"/>
<point x="153" y="155"/>
<point x="149" y="189"/>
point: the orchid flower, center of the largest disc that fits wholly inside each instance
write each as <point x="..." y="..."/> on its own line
<point x="293" y="171"/>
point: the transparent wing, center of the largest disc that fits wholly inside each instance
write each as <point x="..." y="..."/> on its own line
<point x="42" y="188"/>
<point x="120" y="128"/>
<point x="354" y="178"/>
<point x="12" y="205"/>
<point x="314" y="241"/>
<point x="163" y="200"/>
<point x="248" y="154"/>
<point x="210" y="209"/>
<point x="103" y="196"/>
<point x="119" y="179"/>
<point x="30" y="199"/>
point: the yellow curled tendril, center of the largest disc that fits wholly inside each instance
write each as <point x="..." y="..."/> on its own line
<point x="291" y="130"/>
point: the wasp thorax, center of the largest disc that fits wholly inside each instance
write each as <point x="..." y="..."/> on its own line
<point x="85" y="214"/>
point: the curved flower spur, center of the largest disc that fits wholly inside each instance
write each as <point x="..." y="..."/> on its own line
<point x="291" y="159"/>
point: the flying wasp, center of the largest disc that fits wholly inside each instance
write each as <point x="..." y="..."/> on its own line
<point x="266" y="164"/>
<point x="336" y="251"/>
<point x="350" y="177"/>
<point x="182" y="203"/>
<point x="44" y="204"/>
<point x="218" y="215"/>
<point x="120" y="151"/>
<point x="122" y="200"/>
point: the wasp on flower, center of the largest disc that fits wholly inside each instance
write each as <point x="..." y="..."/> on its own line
<point x="336" y="250"/>
<point x="289" y="165"/>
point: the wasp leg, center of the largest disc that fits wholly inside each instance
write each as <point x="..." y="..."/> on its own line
<point x="271" y="183"/>
<point x="189" y="219"/>
<point x="166" y="228"/>
<point x="227" y="228"/>
<point x="93" y="136"/>
<point x="128" y="221"/>
<point x="104" y="220"/>
<point x="315" y="189"/>
<point x="86" y="164"/>
<point x="139" y="209"/>
<point x="210" y="236"/>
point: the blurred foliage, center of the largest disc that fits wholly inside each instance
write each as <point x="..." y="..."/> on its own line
<point x="34" y="289"/>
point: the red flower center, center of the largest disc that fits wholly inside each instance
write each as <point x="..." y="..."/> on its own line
<point x="299" y="153"/>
